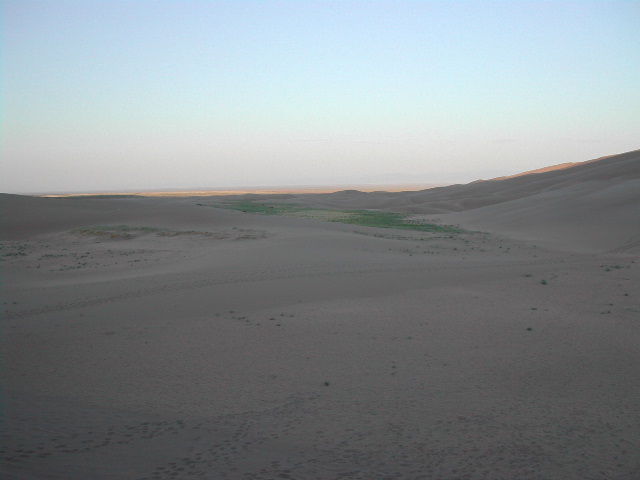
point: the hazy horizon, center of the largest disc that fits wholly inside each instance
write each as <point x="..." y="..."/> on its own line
<point x="127" y="95"/>
<point x="241" y="189"/>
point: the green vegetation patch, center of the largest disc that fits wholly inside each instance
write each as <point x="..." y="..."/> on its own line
<point x="365" y="218"/>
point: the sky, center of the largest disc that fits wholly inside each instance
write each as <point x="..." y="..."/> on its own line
<point x="116" y="95"/>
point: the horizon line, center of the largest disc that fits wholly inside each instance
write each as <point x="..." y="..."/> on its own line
<point x="246" y="189"/>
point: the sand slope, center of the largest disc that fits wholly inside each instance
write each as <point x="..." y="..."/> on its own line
<point x="590" y="205"/>
<point x="155" y="338"/>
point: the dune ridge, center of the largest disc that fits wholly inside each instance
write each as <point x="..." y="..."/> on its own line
<point x="591" y="204"/>
<point x="614" y="168"/>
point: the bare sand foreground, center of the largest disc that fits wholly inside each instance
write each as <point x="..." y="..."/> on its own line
<point x="155" y="338"/>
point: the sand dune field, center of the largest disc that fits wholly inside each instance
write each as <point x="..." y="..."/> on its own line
<point x="493" y="334"/>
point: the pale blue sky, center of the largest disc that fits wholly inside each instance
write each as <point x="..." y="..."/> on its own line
<point x="108" y="95"/>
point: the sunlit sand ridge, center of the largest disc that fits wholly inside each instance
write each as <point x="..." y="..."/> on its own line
<point x="481" y="331"/>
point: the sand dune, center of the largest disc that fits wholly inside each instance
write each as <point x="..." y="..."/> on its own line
<point x="614" y="169"/>
<point x="589" y="205"/>
<point x="162" y="338"/>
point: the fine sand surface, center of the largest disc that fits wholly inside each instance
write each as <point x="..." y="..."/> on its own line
<point x="204" y="343"/>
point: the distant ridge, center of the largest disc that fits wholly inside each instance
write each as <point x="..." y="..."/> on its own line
<point x="551" y="168"/>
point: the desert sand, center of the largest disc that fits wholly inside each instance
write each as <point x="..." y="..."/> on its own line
<point x="165" y="338"/>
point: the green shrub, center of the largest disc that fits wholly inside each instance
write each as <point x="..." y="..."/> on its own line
<point x="365" y="218"/>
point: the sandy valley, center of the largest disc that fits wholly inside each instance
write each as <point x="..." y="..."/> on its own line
<point x="181" y="337"/>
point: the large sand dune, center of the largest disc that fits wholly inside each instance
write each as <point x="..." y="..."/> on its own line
<point x="591" y="204"/>
<point x="161" y="338"/>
